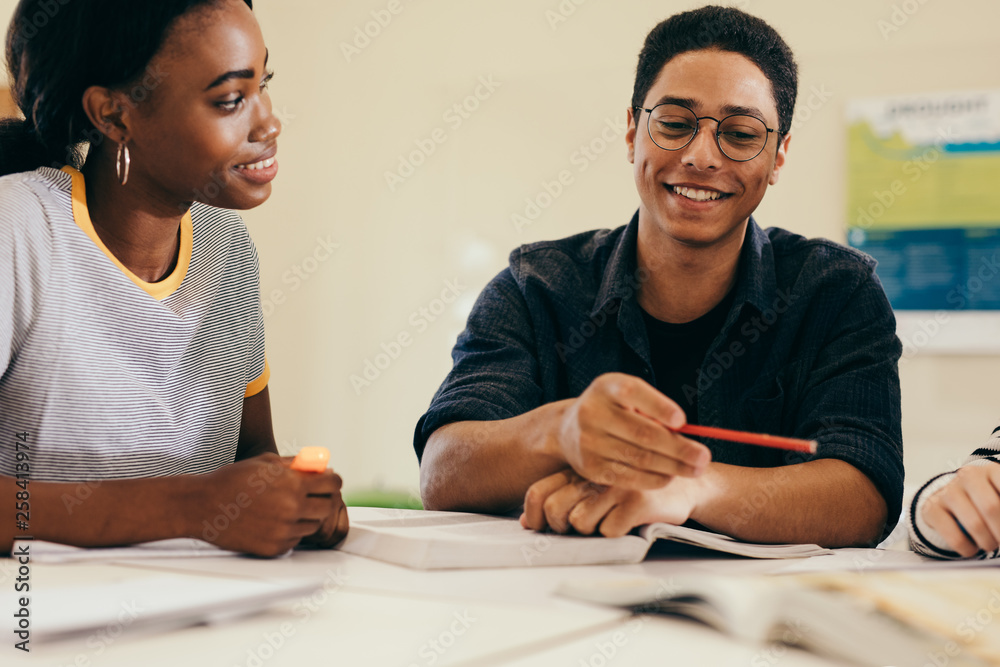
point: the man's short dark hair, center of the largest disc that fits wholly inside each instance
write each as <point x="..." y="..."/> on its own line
<point x="726" y="29"/>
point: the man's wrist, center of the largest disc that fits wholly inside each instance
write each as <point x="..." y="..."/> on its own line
<point x="549" y="444"/>
<point x="702" y="491"/>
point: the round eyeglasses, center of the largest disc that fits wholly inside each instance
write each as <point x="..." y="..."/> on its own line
<point x="740" y="137"/>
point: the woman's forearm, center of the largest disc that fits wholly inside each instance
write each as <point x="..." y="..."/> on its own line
<point x="101" y="513"/>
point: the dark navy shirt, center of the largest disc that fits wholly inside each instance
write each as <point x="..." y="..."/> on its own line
<point x="808" y="348"/>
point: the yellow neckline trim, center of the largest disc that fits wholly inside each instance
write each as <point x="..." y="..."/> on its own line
<point x="158" y="290"/>
<point x="257" y="386"/>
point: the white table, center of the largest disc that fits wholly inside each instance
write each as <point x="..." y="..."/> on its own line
<point x="373" y="613"/>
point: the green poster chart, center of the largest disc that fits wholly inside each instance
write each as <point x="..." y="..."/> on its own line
<point x="924" y="197"/>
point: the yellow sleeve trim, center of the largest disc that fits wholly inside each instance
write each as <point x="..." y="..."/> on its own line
<point x="258" y="385"/>
<point x="158" y="290"/>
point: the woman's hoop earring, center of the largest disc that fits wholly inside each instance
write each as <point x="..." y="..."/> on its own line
<point x="119" y="169"/>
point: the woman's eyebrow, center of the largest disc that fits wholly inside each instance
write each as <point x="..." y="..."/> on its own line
<point x="237" y="74"/>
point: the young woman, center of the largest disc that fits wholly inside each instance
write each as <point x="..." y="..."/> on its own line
<point x="957" y="514"/>
<point x="133" y="384"/>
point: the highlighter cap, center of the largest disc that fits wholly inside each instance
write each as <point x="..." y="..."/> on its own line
<point x="311" y="459"/>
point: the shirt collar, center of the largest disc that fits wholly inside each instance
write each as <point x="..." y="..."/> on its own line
<point x="621" y="277"/>
<point x="755" y="276"/>
<point x="756" y="282"/>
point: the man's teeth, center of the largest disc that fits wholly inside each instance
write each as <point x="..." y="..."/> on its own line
<point x="263" y="164"/>
<point x="697" y="195"/>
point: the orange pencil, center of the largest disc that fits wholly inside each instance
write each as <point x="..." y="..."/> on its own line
<point x="794" y="444"/>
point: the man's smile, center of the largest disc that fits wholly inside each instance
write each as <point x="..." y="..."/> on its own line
<point x="697" y="193"/>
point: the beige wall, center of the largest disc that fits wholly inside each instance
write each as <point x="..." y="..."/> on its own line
<point x="560" y="87"/>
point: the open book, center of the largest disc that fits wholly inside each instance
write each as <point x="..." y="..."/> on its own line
<point x="765" y="609"/>
<point x="436" y="540"/>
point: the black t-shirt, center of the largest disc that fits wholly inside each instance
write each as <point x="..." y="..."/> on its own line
<point x="677" y="350"/>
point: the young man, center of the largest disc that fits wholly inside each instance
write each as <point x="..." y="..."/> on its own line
<point x="957" y="514"/>
<point x="581" y="358"/>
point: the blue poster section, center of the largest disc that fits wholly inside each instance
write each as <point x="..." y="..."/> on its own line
<point x="935" y="269"/>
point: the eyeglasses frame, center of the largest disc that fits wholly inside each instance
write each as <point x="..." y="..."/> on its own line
<point x="697" y="128"/>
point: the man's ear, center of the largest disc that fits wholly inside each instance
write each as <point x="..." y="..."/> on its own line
<point x="630" y="135"/>
<point x="779" y="159"/>
<point x="106" y="112"/>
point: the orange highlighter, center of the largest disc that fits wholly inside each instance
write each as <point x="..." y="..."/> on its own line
<point x="311" y="459"/>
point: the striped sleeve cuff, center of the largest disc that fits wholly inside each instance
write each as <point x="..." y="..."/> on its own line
<point x="924" y="539"/>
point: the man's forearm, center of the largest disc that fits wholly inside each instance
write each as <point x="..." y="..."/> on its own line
<point x="488" y="466"/>
<point x="827" y="502"/>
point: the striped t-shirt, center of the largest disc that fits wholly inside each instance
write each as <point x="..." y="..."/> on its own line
<point x="111" y="376"/>
<point x="924" y="539"/>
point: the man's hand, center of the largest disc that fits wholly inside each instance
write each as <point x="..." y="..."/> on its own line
<point x="261" y="506"/>
<point x="966" y="512"/>
<point x="565" y="501"/>
<point x="616" y="434"/>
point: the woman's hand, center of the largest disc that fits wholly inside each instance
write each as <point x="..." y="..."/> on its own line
<point x="263" y="507"/>
<point x="966" y="512"/>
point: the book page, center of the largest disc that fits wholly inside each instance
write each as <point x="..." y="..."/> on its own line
<point x="765" y="609"/>
<point x="960" y="605"/>
<point x="726" y="544"/>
